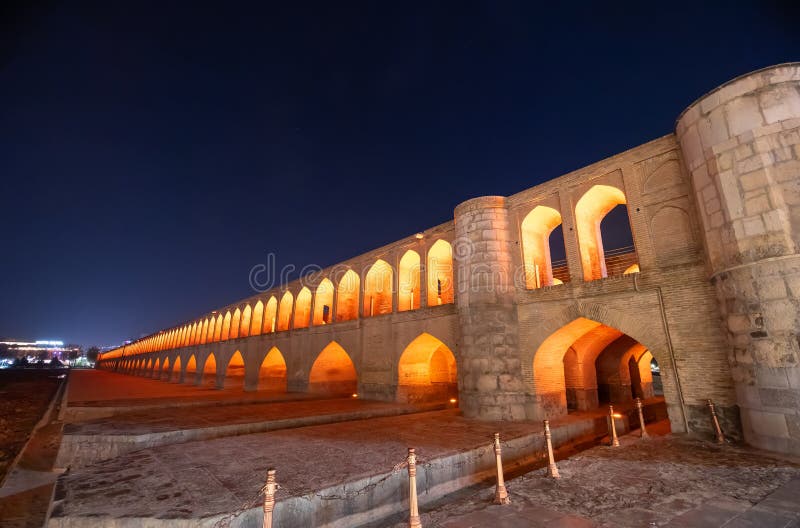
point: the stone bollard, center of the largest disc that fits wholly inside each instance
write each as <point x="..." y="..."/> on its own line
<point x="642" y="429"/>
<point x="269" y="498"/>
<point x="500" y="492"/>
<point x="614" y="439"/>
<point x="717" y="428"/>
<point x="552" y="470"/>
<point x="413" y="518"/>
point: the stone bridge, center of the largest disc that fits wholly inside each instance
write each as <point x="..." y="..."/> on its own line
<point x="520" y="307"/>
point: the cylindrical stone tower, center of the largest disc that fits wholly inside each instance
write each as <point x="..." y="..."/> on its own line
<point x="741" y="144"/>
<point x="491" y="385"/>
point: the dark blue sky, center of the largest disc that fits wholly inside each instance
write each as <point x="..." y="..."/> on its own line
<point x="152" y="152"/>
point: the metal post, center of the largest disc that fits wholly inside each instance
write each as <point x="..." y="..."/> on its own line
<point x="413" y="519"/>
<point x="642" y="430"/>
<point x="500" y="492"/>
<point x="269" y="498"/>
<point x="614" y="439"/>
<point x="552" y="470"/>
<point x="717" y="428"/>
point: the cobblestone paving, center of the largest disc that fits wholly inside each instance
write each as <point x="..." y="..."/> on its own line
<point x="666" y="481"/>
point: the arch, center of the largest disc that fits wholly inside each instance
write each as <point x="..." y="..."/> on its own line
<point x="193" y="335"/>
<point x="226" y="326"/>
<point x="272" y="372"/>
<point x="440" y="273"/>
<point x="535" y="235"/>
<point x="237" y="316"/>
<point x="285" y="311"/>
<point x="234" y="372"/>
<point x="258" y="319"/>
<point x="244" y="326"/>
<point x="218" y="328"/>
<point x="190" y="374"/>
<point x="271" y="315"/>
<point x="209" y="372"/>
<point x="302" y="308"/>
<point x="204" y="332"/>
<point x="651" y="382"/>
<point x="211" y="323"/>
<point x="426" y="371"/>
<point x="347" y="296"/>
<point x="378" y="289"/>
<point x="175" y="372"/>
<point x="590" y="210"/>
<point x="333" y="372"/>
<point x="323" y="303"/>
<point x="156" y="373"/>
<point x="408" y="281"/>
<point x="166" y="369"/>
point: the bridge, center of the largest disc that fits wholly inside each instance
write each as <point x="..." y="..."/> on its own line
<point x="520" y="308"/>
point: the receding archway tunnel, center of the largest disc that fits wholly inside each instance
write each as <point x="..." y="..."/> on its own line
<point x="333" y="372"/>
<point x="426" y="371"/>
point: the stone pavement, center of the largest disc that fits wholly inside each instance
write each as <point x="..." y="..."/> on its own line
<point x="669" y="481"/>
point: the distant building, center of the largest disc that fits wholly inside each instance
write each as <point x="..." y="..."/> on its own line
<point x="44" y="349"/>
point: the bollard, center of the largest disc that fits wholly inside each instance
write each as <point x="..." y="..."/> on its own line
<point x="717" y="429"/>
<point x="500" y="493"/>
<point x="642" y="430"/>
<point x="269" y="498"/>
<point x="614" y="439"/>
<point x="552" y="470"/>
<point x="413" y="519"/>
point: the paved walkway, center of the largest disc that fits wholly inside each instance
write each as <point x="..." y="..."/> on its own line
<point x="667" y="481"/>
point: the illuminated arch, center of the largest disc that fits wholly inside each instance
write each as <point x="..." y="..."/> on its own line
<point x="258" y="319"/>
<point x="244" y="325"/>
<point x="272" y="372"/>
<point x="237" y="316"/>
<point x="347" y="297"/>
<point x="212" y="322"/>
<point x="285" y="311"/>
<point x="209" y="375"/>
<point x="218" y="329"/>
<point x="302" y="308"/>
<point x="590" y="210"/>
<point x="234" y="372"/>
<point x="226" y="326"/>
<point x="165" y="368"/>
<point x="535" y="233"/>
<point x="190" y="374"/>
<point x="175" y="371"/>
<point x="193" y="335"/>
<point x="204" y="332"/>
<point x="378" y="289"/>
<point x="426" y="371"/>
<point x="271" y="316"/>
<point x="408" y="281"/>
<point x="333" y="372"/>
<point x="323" y="303"/>
<point x="440" y="273"/>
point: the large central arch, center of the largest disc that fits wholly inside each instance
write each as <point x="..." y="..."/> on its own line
<point x="426" y="371"/>
<point x="333" y="372"/>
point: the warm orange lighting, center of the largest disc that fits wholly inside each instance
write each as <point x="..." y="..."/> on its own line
<point x="333" y="372"/>
<point x="347" y="300"/>
<point x="589" y="212"/>
<point x="440" y="273"/>
<point x="419" y="236"/>
<point x="355" y="395"/>
<point x="536" y="229"/>
<point x="453" y="400"/>
<point x="302" y="308"/>
<point x="378" y="289"/>
<point x="616" y="415"/>
<point x="408" y="296"/>
<point x="426" y="371"/>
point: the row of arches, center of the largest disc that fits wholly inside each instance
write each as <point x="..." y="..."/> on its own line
<point x="426" y="371"/>
<point x="543" y="247"/>
<point x="326" y="305"/>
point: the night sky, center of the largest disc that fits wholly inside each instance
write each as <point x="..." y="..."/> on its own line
<point x="152" y="152"/>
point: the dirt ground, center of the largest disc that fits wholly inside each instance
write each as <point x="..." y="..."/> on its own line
<point x="24" y="397"/>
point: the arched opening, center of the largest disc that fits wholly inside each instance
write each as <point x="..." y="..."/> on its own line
<point x="323" y="303"/>
<point x="211" y="323"/>
<point x="148" y="370"/>
<point x="602" y="211"/>
<point x="333" y="372"/>
<point x="244" y="326"/>
<point x="378" y="289"/>
<point x="271" y="316"/>
<point x="408" y="281"/>
<point x="258" y="319"/>
<point x="650" y="374"/>
<point x="165" y="369"/>
<point x="204" y="332"/>
<point x="156" y="373"/>
<point x="235" y="320"/>
<point x="426" y="371"/>
<point x="175" y="371"/>
<point x="234" y="373"/>
<point x="302" y="308"/>
<point x="285" y="311"/>
<point x="440" y="273"/>
<point x="347" y="297"/>
<point x="209" y="371"/>
<point x="218" y="329"/>
<point x="193" y="335"/>
<point x="543" y="250"/>
<point x="190" y="376"/>
<point x="585" y="364"/>
<point x="272" y="373"/>
<point x="226" y="326"/>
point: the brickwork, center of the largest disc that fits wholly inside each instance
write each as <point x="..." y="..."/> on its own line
<point x="713" y="209"/>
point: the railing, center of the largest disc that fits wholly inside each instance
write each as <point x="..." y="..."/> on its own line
<point x="560" y="270"/>
<point x="620" y="259"/>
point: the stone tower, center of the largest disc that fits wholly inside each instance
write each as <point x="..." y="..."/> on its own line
<point x="741" y="144"/>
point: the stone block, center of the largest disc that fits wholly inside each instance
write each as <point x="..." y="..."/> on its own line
<point x="767" y="423"/>
<point x="767" y="377"/>
<point x="782" y="398"/>
<point x="743" y="114"/>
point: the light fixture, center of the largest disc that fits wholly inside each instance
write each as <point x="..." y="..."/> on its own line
<point x="419" y="236"/>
